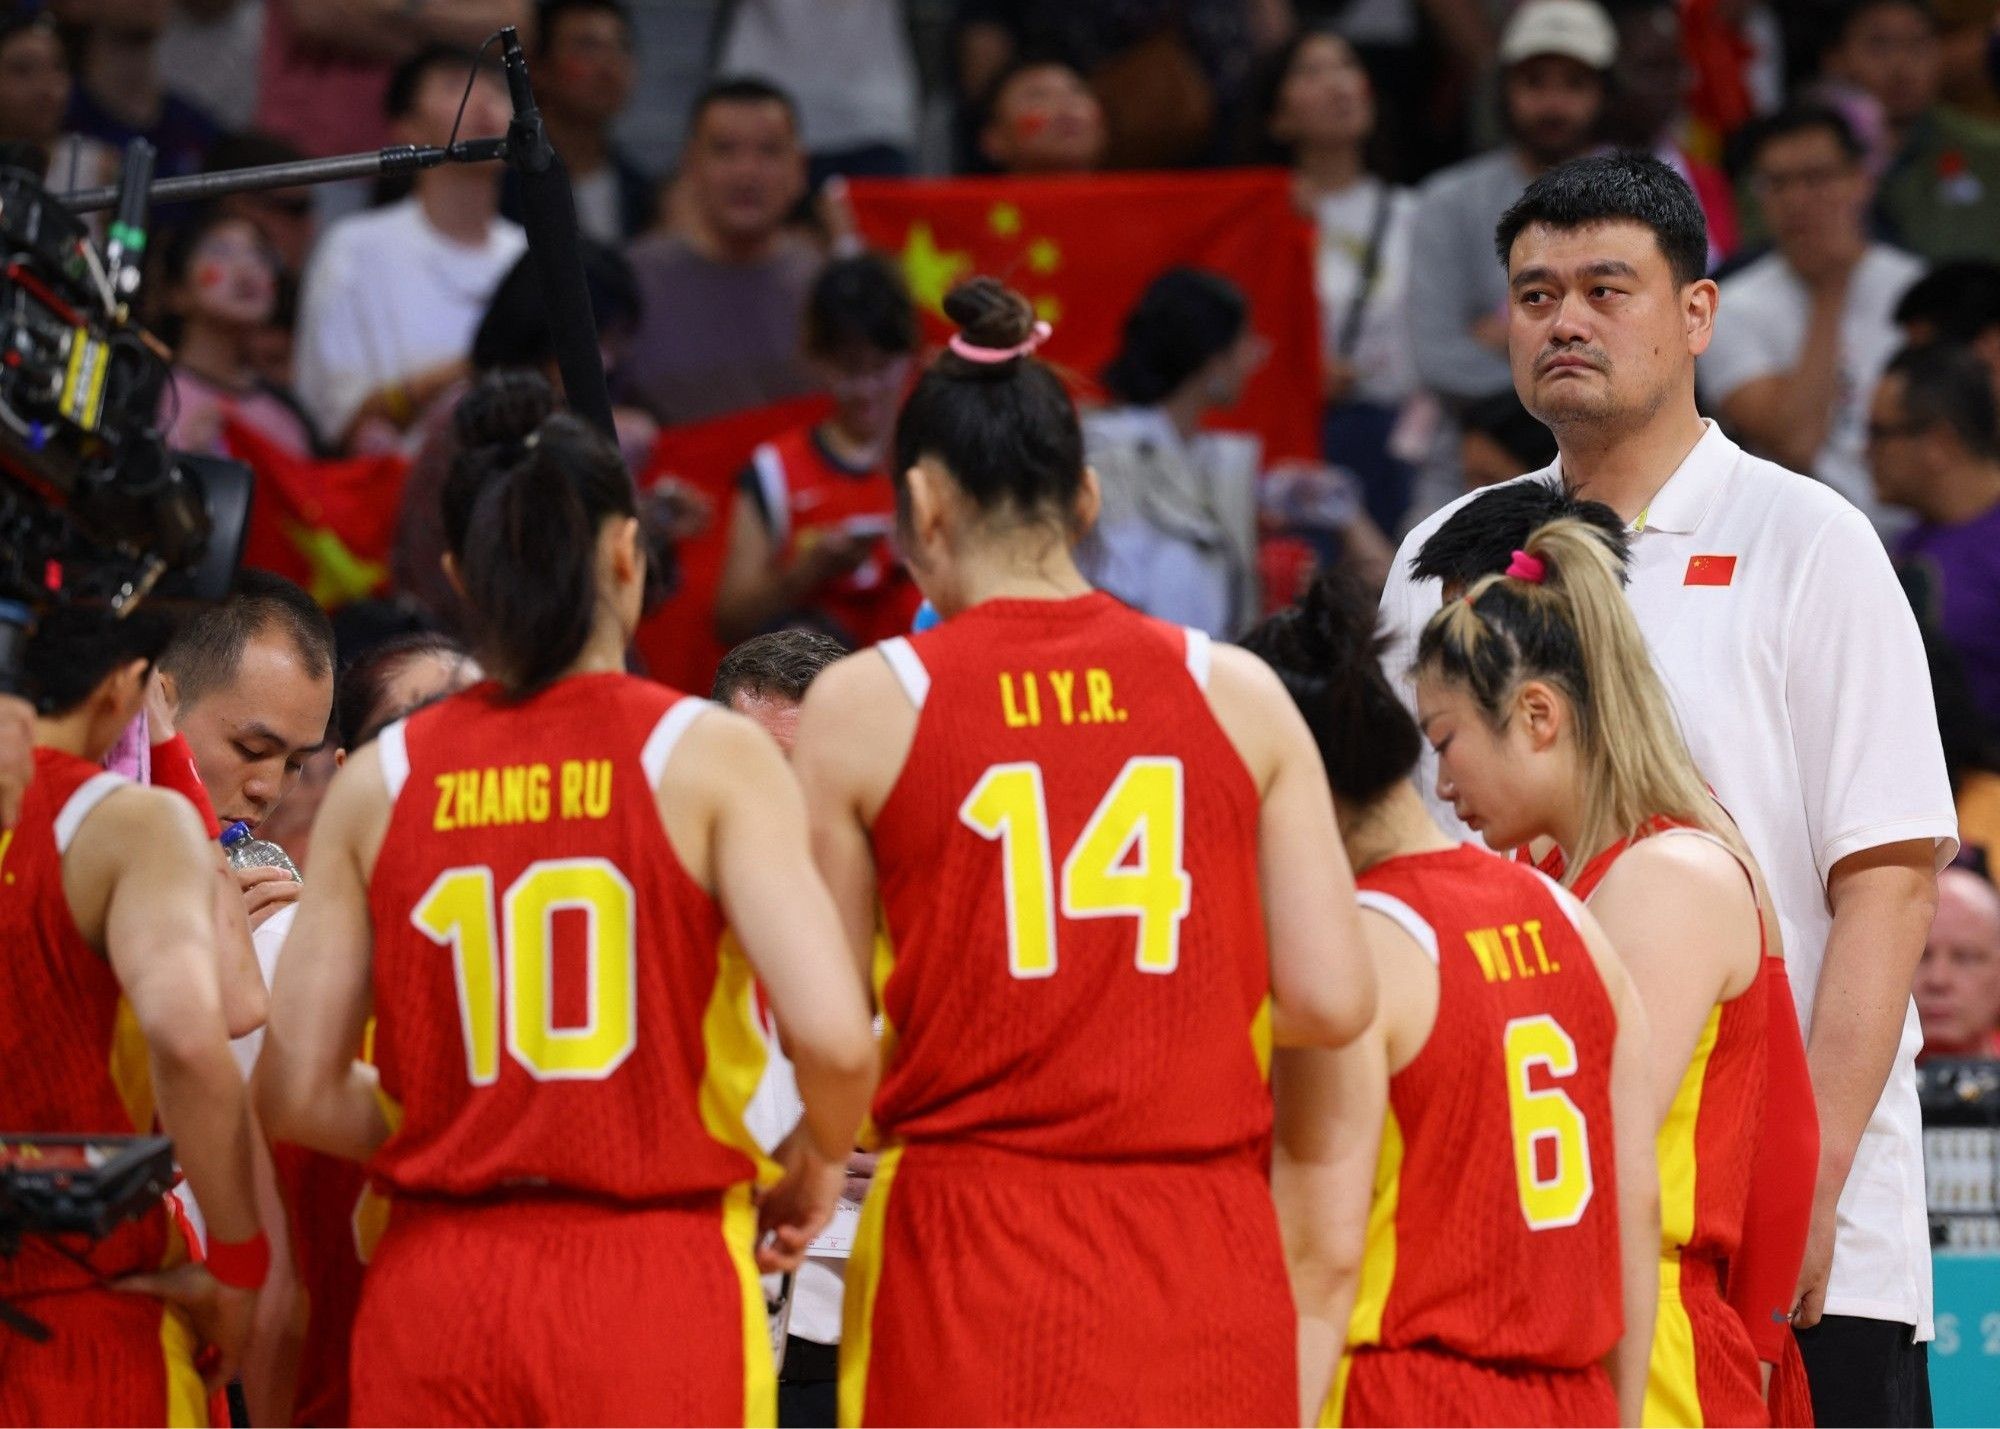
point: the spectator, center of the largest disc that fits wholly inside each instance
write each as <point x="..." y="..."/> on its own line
<point x="1314" y="111"/>
<point x="392" y="297"/>
<point x="809" y="534"/>
<point x="34" y="103"/>
<point x="1649" y="88"/>
<point x="1958" y="981"/>
<point x="1940" y="195"/>
<point x="849" y="67"/>
<point x="209" y="51"/>
<point x="1041" y="118"/>
<point x="1556" y="56"/>
<point x="722" y="298"/>
<point x="1956" y="302"/>
<point x="583" y="72"/>
<point x="1803" y="333"/>
<point x="1499" y="439"/>
<point x="283" y="216"/>
<point x="121" y="96"/>
<point x="326" y="65"/>
<point x="1933" y="448"/>
<point x="220" y="282"/>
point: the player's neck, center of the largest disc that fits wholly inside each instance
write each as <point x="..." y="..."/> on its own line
<point x="71" y="733"/>
<point x="602" y="654"/>
<point x="1625" y="467"/>
<point x="1036" y="565"/>
<point x="1398" y="824"/>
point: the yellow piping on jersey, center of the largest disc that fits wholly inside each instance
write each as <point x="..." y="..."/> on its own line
<point x="1260" y="1038"/>
<point x="864" y="1278"/>
<point x="131" y="1068"/>
<point x="733" y="1039"/>
<point x="881" y="966"/>
<point x="187" y="1396"/>
<point x="1676" y="1143"/>
<point x="1378" y="1262"/>
<point x="760" y="1374"/>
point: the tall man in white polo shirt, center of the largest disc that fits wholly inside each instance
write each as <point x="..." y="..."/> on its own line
<point x="1799" y="679"/>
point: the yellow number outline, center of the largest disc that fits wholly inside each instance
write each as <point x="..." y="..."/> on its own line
<point x="1534" y="1116"/>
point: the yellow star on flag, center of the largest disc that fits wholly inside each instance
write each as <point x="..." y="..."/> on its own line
<point x="1005" y="219"/>
<point x="1044" y="256"/>
<point x="929" y="270"/>
<point x="338" y="575"/>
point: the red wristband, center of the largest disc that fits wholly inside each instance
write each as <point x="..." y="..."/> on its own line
<point x="242" y="1264"/>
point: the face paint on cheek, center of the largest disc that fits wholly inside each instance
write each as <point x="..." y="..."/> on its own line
<point x="1031" y="124"/>
<point x="209" y="275"/>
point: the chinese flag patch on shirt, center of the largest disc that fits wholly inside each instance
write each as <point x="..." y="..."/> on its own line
<point x="1710" y="570"/>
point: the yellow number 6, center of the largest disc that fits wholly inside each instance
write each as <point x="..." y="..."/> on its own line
<point x="1546" y="1116"/>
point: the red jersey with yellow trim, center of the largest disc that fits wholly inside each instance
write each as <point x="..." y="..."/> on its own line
<point x="556" y="1005"/>
<point x="76" y="1062"/>
<point x="1076" y="961"/>
<point x="806" y="495"/>
<point x="1494" y="1229"/>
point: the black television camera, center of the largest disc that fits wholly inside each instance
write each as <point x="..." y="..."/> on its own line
<point x="94" y="509"/>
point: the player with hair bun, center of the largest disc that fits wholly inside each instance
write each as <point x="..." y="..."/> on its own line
<point x="1111" y="882"/>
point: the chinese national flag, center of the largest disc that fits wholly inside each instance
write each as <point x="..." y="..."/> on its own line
<point x="1083" y="248"/>
<point x="327" y="525"/>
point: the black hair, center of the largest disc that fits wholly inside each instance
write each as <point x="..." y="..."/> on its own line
<point x="1255" y="144"/>
<point x="208" y="648"/>
<point x="528" y="553"/>
<point x="1846" y="18"/>
<point x="1614" y="188"/>
<point x="358" y="711"/>
<point x="1800" y="118"/>
<point x="548" y="12"/>
<point x="782" y="664"/>
<point x="515" y="331"/>
<point x="1959" y="301"/>
<point x="1185" y="317"/>
<point x="1007" y="431"/>
<point x="987" y="102"/>
<point x="1946" y="384"/>
<point x="18" y="18"/>
<point x="1328" y="652"/>
<point x="1502" y="419"/>
<point x="499" y="411"/>
<point x="400" y="98"/>
<point x="739" y="89"/>
<point x="860" y="302"/>
<point x="76" y="648"/>
<point x="1480" y="538"/>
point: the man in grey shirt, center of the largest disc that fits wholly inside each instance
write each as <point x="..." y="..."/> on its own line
<point x="1556" y="55"/>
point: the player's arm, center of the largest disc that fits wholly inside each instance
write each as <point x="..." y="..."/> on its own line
<point x="1633" y="1135"/>
<point x="246" y="1002"/>
<point x="310" y="1087"/>
<point x="1683" y="920"/>
<point x="1322" y="980"/>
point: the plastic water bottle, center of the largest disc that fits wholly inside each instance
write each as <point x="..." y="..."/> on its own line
<point x="243" y="851"/>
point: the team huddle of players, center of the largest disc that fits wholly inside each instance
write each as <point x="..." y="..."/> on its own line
<point x="1214" y="1083"/>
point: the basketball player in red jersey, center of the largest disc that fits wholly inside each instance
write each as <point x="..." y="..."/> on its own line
<point x="112" y="998"/>
<point x="1537" y="691"/>
<point x="532" y="885"/>
<point x="1511" y="1216"/>
<point x="1111" y="881"/>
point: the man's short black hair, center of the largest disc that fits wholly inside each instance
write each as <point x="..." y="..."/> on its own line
<point x="740" y="89"/>
<point x="400" y="98"/>
<point x="74" y="648"/>
<point x="205" y="655"/>
<point x="860" y="302"/>
<point x="1958" y="301"/>
<point x="1615" y="188"/>
<point x="1480" y="538"/>
<point x="1945" y="384"/>
<point x="548" y="12"/>
<point x="781" y="665"/>
<point x="1848" y="17"/>
<point x="1801" y="118"/>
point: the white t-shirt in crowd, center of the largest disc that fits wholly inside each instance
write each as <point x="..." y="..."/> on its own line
<point x="1760" y="329"/>
<point x="1802" y="689"/>
<point x="386" y="296"/>
<point x="1386" y="369"/>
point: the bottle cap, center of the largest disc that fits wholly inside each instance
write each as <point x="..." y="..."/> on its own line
<point x="235" y="834"/>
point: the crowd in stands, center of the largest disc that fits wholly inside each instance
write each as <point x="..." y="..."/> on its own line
<point x="1847" y="159"/>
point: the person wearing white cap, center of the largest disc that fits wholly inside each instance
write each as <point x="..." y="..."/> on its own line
<point x="1555" y="55"/>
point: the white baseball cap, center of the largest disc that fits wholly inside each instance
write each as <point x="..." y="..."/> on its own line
<point x="1575" y="29"/>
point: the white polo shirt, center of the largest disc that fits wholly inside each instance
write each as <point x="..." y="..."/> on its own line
<point x="1799" y="678"/>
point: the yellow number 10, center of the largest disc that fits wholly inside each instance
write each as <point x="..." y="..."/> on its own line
<point x="457" y="912"/>
<point x="1142" y="816"/>
<point x="1546" y="1117"/>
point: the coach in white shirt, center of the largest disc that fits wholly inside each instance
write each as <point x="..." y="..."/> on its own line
<point x="1796" y="669"/>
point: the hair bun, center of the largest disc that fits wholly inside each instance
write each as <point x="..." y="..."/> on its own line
<point x="1337" y="622"/>
<point x="989" y="313"/>
<point x="502" y="409"/>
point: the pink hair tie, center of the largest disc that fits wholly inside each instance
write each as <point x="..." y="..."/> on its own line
<point x="972" y="352"/>
<point x="1524" y="567"/>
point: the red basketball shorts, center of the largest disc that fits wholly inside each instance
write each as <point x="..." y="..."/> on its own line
<point x="1703" y="1369"/>
<point x="991" y="1288"/>
<point x="1421" y="1385"/>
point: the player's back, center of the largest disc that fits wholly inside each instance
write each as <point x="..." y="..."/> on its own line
<point x="556" y="1004"/>
<point x="75" y="1058"/>
<point x="1069" y="873"/>
<point x="1495" y="1228"/>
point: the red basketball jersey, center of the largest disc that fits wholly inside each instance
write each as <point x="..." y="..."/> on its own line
<point x="76" y="1062"/>
<point x="556" y="1003"/>
<point x="1076" y="962"/>
<point x="808" y="495"/>
<point x="1494" y="1231"/>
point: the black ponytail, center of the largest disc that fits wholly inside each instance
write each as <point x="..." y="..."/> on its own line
<point x="529" y="556"/>
<point x="1007" y="431"/>
<point x="1328" y="653"/>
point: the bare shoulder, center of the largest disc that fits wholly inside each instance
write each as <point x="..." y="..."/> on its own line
<point x="1255" y="710"/>
<point x="856" y="692"/>
<point x="855" y="731"/>
<point x="141" y="819"/>
<point x="1676" y="874"/>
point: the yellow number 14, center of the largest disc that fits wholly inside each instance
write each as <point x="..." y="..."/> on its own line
<point x="1141" y="818"/>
